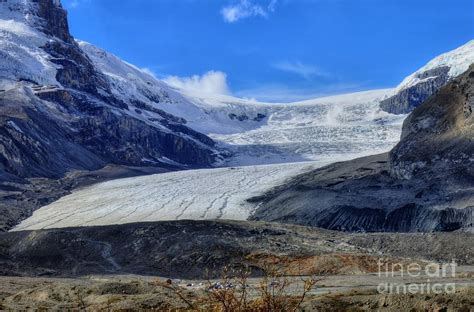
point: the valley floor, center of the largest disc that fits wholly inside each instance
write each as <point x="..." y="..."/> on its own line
<point x="333" y="293"/>
<point x="116" y="267"/>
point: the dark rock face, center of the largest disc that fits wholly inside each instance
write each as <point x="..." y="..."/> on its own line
<point x="408" y="99"/>
<point x="26" y="141"/>
<point x="125" y="140"/>
<point x="45" y="140"/>
<point x="258" y="118"/>
<point x="54" y="19"/>
<point x="426" y="183"/>
<point x="439" y="135"/>
<point x="47" y="132"/>
<point x="77" y="71"/>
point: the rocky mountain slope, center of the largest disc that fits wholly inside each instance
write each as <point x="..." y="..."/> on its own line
<point x="426" y="183"/>
<point x="60" y="113"/>
<point x="439" y="135"/>
<point x="426" y="81"/>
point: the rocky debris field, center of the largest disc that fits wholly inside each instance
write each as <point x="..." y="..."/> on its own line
<point x="194" y="249"/>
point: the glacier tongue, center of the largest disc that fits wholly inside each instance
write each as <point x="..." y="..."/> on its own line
<point x="194" y="194"/>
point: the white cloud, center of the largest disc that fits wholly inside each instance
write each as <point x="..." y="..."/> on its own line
<point x="212" y="82"/>
<point x="301" y="69"/>
<point x="245" y="9"/>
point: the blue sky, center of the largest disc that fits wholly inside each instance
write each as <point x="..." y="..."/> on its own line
<point x="275" y="50"/>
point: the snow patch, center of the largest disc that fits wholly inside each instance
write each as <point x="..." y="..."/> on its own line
<point x="12" y="124"/>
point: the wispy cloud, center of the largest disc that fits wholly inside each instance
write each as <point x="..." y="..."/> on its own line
<point x="299" y="68"/>
<point x="212" y="82"/>
<point x="280" y="93"/>
<point x="247" y="8"/>
<point x="148" y="71"/>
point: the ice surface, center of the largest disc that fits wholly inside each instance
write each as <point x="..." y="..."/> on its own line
<point x="345" y="126"/>
<point x="194" y="194"/>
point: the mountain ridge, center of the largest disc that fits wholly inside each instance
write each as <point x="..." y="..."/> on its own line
<point x="427" y="80"/>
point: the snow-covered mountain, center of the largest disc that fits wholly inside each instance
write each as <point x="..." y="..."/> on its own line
<point x="46" y="71"/>
<point x="426" y="81"/>
<point x="424" y="184"/>
<point x="39" y="54"/>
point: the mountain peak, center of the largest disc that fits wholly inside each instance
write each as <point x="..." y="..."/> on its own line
<point x="457" y="61"/>
<point x="54" y="18"/>
<point x="426" y="81"/>
<point x="47" y="16"/>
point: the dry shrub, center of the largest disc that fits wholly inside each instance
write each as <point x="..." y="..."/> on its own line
<point x="177" y="290"/>
<point x="275" y="292"/>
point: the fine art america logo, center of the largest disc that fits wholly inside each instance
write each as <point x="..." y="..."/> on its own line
<point x="427" y="277"/>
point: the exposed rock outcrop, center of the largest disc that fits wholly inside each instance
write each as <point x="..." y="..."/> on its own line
<point x="408" y="99"/>
<point x="53" y="19"/>
<point x="439" y="135"/>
